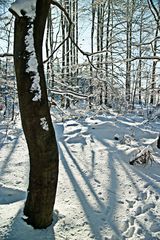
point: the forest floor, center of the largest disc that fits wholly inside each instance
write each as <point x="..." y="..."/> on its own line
<point x="100" y="195"/>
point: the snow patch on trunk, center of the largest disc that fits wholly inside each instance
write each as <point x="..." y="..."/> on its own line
<point x="44" y="124"/>
<point x="28" y="8"/>
<point x="32" y="66"/>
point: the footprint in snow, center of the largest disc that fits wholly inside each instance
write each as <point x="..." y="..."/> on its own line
<point x="155" y="227"/>
<point x="135" y="225"/>
<point x="138" y="211"/>
<point x="130" y="203"/>
<point x="130" y="232"/>
<point x="148" y="207"/>
<point x="142" y="196"/>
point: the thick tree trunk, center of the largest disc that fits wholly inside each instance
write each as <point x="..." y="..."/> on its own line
<point x="36" y="120"/>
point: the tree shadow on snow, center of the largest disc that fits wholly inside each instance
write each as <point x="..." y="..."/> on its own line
<point x="100" y="216"/>
<point x="9" y="195"/>
<point x="96" y="217"/>
<point x="9" y="154"/>
<point x="105" y="216"/>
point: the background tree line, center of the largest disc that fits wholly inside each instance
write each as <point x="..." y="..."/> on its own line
<point x="117" y="58"/>
<point x="122" y="58"/>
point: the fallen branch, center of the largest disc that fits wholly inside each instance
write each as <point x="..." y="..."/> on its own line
<point x="143" y="157"/>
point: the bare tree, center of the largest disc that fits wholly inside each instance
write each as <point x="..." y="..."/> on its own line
<point x="36" y="120"/>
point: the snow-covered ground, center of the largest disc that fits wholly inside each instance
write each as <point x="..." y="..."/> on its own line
<point x="100" y="195"/>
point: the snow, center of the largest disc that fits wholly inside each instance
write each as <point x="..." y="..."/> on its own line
<point x="44" y="124"/>
<point x="32" y="65"/>
<point x="28" y="7"/>
<point x="100" y="195"/>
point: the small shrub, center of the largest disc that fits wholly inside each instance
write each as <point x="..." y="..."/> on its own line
<point x="143" y="157"/>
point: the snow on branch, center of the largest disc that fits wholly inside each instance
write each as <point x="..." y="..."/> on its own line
<point x="71" y="93"/>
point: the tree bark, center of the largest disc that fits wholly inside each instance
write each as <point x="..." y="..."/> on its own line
<point x="36" y="120"/>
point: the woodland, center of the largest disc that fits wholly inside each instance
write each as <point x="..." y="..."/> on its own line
<point x="79" y="119"/>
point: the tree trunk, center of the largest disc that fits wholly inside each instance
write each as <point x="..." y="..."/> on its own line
<point x="107" y="50"/>
<point x="35" y="115"/>
<point x="92" y="49"/>
<point x="98" y="34"/>
<point x="68" y="77"/>
<point x="77" y="33"/>
<point x="140" y="61"/>
<point x="153" y="81"/>
<point x="129" y="49"/>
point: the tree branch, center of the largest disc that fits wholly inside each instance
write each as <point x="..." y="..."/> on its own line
<point x="6" y="54"/>
<point x="69" y="92"/>
<point x="155" y="9"/>
<point x="150" y="4"/>
<point x="55" y="3"/>
<point x="157" y="58"/>
<point x="13" y="12"/>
